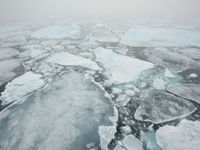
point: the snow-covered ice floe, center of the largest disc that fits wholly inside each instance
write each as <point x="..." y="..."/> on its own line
<point x="64" y="115"/>
<point x="21" y="86"/>
<point x="31" y="53"/>
<point x="188" y="91"/>
<point x="130" y="142"/>
<point x="120" y="68"/>
<point x="67" y="59"/>
<point x="184" y="136"/>
<point x="159" y="107"/>
<point x="56" y="32"/>
<point x="154" y="37"/>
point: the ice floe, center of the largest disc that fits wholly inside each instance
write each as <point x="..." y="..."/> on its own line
<point x="155" y="37"/>
<point x="67" y="59"/>
<point x="130" y="142"/>
<point x="21" y="86"/>
<point x="184" y="136"/>
<point x="169" y="58"/>
<point x="107" y="133"/>
<point x="55" y="32"/>
<point x="159" y="83"/>
<point x="120" y="68"/>
<point x="187" y="90"/>
<point x="159" y="107"/>
<point x="32" y="53"/>
<point x="64" y="115"/>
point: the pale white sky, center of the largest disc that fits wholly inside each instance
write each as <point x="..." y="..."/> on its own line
<point x="111" y="8"/>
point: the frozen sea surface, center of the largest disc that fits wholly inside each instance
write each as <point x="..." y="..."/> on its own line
<point x="184" y="136"/>
<point x="159" y="107"/>
<point x="44" y="121"/>
<point x="188" y="91"/>
<point x="110" y="85"/>
<point x="156" y="37"/>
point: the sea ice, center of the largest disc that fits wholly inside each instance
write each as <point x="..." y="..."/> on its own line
<point x="119" y="67"/>
<point x="56" y="32"/>
<point x="155" y="37"/>
<point x="170" y="59"/>
<point x="184" y="136"/>
<point x="107" y="133"/>
<point x="168" y="74"/>
<point x="64" y="115"/>
<point x="21" y="86"/>
<point x="187" y="90"/>
<point x="67" y="59"/>
<point x="7" y="69"/>
<point x="31" y="53"/>
<point x="159" y="83"/>
<point x="158" y="107"/>
<point x="7" y="53"/>
<point x="130" y="142"/>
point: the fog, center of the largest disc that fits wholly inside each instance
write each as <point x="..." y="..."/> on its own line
<point x="100" y="8"/>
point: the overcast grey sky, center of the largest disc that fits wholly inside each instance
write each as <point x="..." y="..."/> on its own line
<point x="111" y="8"/>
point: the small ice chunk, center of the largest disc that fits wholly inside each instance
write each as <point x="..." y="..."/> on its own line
<point x="32" y="53"/>
<point x="123" y="99"/>
<point x="107" y="133"/>
<point x="184" y="136"/>
<point x="126" y="129"/>
<point x="21" y="86"/>
<point x="132" y="143"/>
<point x="193" y="75"/>
<point x="188" y="91"/>
<point x="116" y="90"/>
<point x="67" y="59"/>
<point x="159" y="83"/>
<point x="168" y="74"/>
<point x="130" y="92"/>
<point x="119" y="67"/>
<point x="56" y="32"/>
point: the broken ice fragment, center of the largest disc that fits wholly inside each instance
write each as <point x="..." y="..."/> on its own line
<point x="159" y="83"/>
<point x="168" y="74"/>
<point x="107" y="133"/>
<point x="67" y="59"/>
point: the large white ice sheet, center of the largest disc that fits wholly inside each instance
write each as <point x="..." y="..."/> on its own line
<point x="120" y="68"/>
